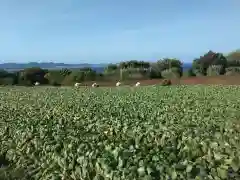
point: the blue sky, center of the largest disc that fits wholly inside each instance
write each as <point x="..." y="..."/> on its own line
<point x="103" y="31"/>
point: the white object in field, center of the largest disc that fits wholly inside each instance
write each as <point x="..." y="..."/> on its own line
<point x="95" y="85"/>
<point x="77" y="84"/>
<point x="137" y="84"/>
<point x="118" y="84"/>
<point x="37" y="83"/>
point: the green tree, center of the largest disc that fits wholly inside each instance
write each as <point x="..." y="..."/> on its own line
<point x="3" y="73"/>
<point x="80" y="75"/>
<point x="232" y="71"/>
<point x="111" y="68"/>
<point x="170" y="73"/>
<point x="75" y="76"/>
<point x="65" y="72"/>
<point x="123" y="65"/>
<point x="201" y="64"/>
<point x="144" y="64"/>
<point x="134" y="64"/>
<point x="168" y="63"/>
<point x="31" y="75"/>
<point x="215" y="70"/>
<point x="233" y="59"/>
<point x="155" y="71"/>
<point x="8" y="78"/>
<point x="88" y="74"/>
<point x="55" y="77"/>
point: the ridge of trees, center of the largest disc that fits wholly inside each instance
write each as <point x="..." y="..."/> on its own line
<point x="211" y="63"/>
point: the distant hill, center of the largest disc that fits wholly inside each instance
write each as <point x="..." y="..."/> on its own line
<point x="20" y="66"/>
<point x="96" y="67"/>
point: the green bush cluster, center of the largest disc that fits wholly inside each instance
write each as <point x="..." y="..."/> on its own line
<point x="210" y="64"/>
<point x="215" y="70"/>
<point x="171" y="73"/>
<point x="233" y="71"/>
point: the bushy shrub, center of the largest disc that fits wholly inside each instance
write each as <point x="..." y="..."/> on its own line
<point x="155" y="71"/>
<point x="133" y="73"/>
<point x="65" y="72"/>
<point x="7" y="78"/>
<point x="6" y="81"/>
<point x="233" y="59"/>
<point x="31" y="75"/>
<point x="171" y="73"/>
<point x="215" y="70"/>
<point x="70" y="80"/>
<point x="232" y="71"/>
<point x="211" y="58"/>
<point x="198" y="73"/>
<point x="168" y="63"/>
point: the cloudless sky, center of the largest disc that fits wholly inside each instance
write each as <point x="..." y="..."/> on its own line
<point x="103" y="31"/>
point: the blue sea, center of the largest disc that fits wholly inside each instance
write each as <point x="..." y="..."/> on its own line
<point x="97" y="68"/>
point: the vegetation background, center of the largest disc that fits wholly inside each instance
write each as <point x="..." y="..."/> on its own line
<point x="210" y="64"/>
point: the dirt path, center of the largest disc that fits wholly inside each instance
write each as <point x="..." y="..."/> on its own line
<point x="223" y="80"/>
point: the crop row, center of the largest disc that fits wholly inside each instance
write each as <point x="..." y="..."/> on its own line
<point x="117" y="133"/>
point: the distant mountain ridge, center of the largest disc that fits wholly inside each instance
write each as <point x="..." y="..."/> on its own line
<point x="51" y="65"/>
<point x="45" y="65"/>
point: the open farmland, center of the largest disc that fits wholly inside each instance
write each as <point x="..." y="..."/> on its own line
<point x="177" y="132"/>
<point x="205" y="80"/>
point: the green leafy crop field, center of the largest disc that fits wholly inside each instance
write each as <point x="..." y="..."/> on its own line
<point x="177" y="132"/>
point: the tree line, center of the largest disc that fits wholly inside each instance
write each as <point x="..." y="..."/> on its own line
<point x="210" y="64"/>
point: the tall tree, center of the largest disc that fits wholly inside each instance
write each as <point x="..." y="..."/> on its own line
<point x="31" y="75"/>
<point x="202" y="63"/>
<point x="168" y="63"/>
<point x="233" y="59"/>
